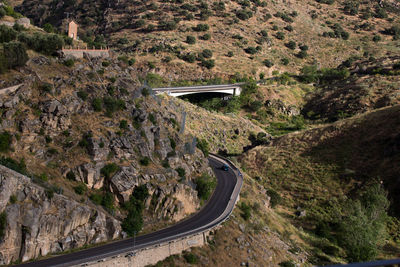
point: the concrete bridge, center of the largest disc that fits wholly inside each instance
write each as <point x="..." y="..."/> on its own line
<point x="231" y="89"/>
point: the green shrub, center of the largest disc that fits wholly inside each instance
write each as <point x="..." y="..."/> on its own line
<point x="168" y="25"/>
<point x="112" y="105"/>
<point x="71" y="176"/>
<point x="201" y="28"/>
<point x="173" y="143"/>
<point x="287" y="264"/>
<point x="285" y="61"/>
<point x="48" y="27"/>
<point x="376" y="38"/>
<point x="203" y="145"/>
<point x="5" y="141"/>
<point x="123" y="125"/>
<point x="181" y="172"/>
<point x="82" y="95"/>
<point x="109" y="170"/>
<point x="188" y="57"/>
<point x="209" y="64"/>
<point x="145" y="91"/>
<point x="207" y="53"/>
<point x="205" y="185"/>
<point x="251" y="50"/>
<point x="363" y="226"/>
<point x="302" y="54"/>
<point x="268" y="63"/>
<point x="7" y="34"/>
<point x="244" y="14"/>
<point x="153" y="119"/>
<point x="69" y="62"/>
<point x="15" y="54"/>
<point x="280" y="35"/>
<point x="246" y="211"/>
<point x="291" y="45"/>
<point x="133" y="222"/>
<point x="14" y="165"/>
<point x="230" y="54"/>
<point x="275" y="198"/>
<point x="80" y="189"/>
<point x="3" y="224"/>
<point x="49" y="193"/>
<point x="205" y="37"/>
<point x="97" y="104"/>
<point x="144" y="161"/>
<point x="46" y="87"/>
<point x="190" y="39"/>
<point x="108" y="201"/>
<point x="190" y="258"/>
<point x="13" y="199"/>
<point x="105" y="63"/>
<point x="96" y="198"/>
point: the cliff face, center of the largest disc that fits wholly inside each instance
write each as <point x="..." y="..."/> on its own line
<point x="39" y="224"/>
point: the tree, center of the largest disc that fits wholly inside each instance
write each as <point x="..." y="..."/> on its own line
<point x="190" y="39"/>
<point x="7" y="34"/>
<point x="363" y="227"/>
<point x="133" y="222"/>
<point x="15" y="54"/>
<point x="207" y="53"/>
<point x="268" y="63"/>
<point x="48" y="27"/>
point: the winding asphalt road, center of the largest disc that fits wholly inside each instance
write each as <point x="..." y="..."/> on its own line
<point x="216" y="211"/>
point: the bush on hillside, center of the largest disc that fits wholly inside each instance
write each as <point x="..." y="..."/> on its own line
<point x="363" y="226"/>
<point x="203" y="145"/>
<point x="268" y="63"/>
<point x="246" y="211"/>
<point x="3" y="224"/>
<point x="15" y="54"/>
<point x="7" y="34"/>
<point x="201" y="27"/>
<point x="209" y="64"/>
<point x="109" y="170"/>
<point x="205" y="185"/>
<point x="275" y="198"/>
<point x="133" y="222"/>
<point x="190" y="39"/>
<point x="5" y="141"/>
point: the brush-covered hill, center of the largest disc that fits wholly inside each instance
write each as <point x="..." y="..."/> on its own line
<point x="200" y="39"/>
<point x="331" y="179"/>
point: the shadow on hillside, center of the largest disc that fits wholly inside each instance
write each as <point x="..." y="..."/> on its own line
<point x="366" y="149"/>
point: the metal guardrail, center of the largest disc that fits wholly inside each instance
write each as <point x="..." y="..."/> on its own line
<point x="394" y="262"/>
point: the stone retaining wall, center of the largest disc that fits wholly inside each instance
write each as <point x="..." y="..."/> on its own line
<point x="79" y="53"/>
<point x="153" y="254"/>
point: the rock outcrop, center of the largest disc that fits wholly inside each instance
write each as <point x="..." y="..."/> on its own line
<point x="39" y="223"/>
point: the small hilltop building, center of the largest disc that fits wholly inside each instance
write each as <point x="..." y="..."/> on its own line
<point x="73" y="30"/>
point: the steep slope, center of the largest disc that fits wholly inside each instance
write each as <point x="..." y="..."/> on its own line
<point x="315" y="171"/>
<point x="92" y="138"/>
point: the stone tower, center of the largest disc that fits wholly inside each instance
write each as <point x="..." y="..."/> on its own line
<point x="73" y="30"/>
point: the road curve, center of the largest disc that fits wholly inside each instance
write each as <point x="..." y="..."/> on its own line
<point x="217" y="210"/>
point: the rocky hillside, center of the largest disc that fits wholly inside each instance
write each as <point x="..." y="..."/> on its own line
<point x="89" y="134"/>
<point x="249" y="37"/>
<point x="371" y="84"/>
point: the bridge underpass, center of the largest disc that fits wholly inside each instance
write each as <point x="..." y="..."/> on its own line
<point x="229" y="89"/>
